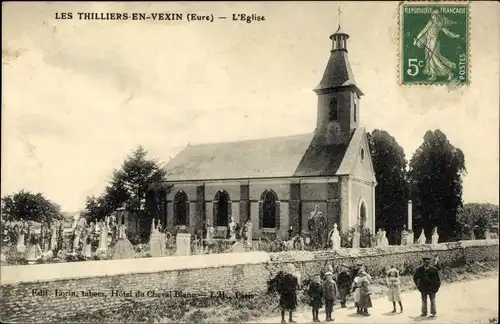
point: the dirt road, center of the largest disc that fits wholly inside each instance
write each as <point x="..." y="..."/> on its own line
<point x="463" y="302"/>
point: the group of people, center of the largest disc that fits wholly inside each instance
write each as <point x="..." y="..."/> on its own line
<point x="324" y="290"/>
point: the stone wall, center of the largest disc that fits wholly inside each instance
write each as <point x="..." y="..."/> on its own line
<point x="28" y="292"/>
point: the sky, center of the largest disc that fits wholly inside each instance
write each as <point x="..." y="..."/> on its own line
<point x="78" y="96"/>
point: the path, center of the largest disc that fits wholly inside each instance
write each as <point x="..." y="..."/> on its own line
<point x="463" y="302"/>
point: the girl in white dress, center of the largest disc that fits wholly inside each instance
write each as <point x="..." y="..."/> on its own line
<point x="394" y="291"/>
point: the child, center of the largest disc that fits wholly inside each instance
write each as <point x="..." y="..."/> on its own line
<point x="394" y="284"/>
<point x="355" y="290"/>
<point x="330" y="293"/>
<point x="365" y="300"/>
<point x="315" y="293"/>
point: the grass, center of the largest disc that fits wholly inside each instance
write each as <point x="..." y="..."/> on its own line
<point x="216" y="310"/>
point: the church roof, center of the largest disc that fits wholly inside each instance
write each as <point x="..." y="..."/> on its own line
<point x="286" y="156"/>
<point x="338" y="73"/>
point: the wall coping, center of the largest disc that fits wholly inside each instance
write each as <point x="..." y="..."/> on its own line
<point x="90" y="269"/>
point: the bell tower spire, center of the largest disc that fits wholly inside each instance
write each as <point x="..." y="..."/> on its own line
<point x="338" y="94"/>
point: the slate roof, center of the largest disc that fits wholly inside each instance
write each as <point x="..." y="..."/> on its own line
<point x="286" y="156"/>
<point x="338" y="73"/>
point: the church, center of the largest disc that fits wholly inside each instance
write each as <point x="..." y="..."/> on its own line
<point x="277" y="182"/>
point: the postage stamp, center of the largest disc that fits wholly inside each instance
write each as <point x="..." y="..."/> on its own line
<point x="434" y="43"/>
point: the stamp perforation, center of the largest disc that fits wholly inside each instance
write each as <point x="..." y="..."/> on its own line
<point x="399" y="44"/>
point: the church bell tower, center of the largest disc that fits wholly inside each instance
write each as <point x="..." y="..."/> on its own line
<point x="338" y="96"/>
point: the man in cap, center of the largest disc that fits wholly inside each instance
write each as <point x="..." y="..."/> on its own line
<point x="427" y="280"/>
<point x="344" y="281"/>
<point x="330" y="293"/>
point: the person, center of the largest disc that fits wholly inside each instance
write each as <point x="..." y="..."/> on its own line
<point x="427" y="280"/>
<point x="355" y="270"/>
<point x="365" y="300"/>
<point x="330" y="292"/>
<point x="315" y="293"/>
<point x="344" y="285"/>
<point x="394" y="292"/>
<point x="355" y="290"/>
<point x="287" y="289"/>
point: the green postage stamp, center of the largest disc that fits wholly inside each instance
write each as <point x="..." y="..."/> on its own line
<point x="434" y="43"/>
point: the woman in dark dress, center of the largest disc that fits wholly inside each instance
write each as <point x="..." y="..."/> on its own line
<point x="287" y="288"/>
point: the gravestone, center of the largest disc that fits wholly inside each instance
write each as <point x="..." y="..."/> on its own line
<point x="103" y="239"/>
<point x="422" y="239"/>
<point x="435" y="236"/>
<point x="487" y="234"/>
<point x="356" y="239"/>
<point x="21" y="248"/>
<point x="87" y="247"/>
<point x="238" y="247"/>
<point x="156" y="241"/>
<point x="209" y="240"/>
<point x="53" y="237"/>
<point x="123" y="249"/>
<point x="183" y="243"/>
<point x="384" y="242"/>
<point x="404" y="236"/>
<point x="33" y="253"/>
<point x="335" y="238"/>
<point x="232" y="230"/>
<point x="249" y="232"/>
<point x="378" y="237"/>
<point x="76" y="240"/>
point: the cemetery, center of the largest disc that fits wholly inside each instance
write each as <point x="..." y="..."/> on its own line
<point x="107" y="240"/>
<point x="99" y="258"/>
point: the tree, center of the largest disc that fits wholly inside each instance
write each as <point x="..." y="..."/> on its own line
<point x="477" y="217"/>
<point x="137" y="179"/>
<point x="28" y="206"/>
<point x="391" y="192"/>
<point x="97" y="208"/>
<point x="435" y="175"/>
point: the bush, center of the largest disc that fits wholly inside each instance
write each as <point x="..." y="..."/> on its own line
<point x="366" y="238"/>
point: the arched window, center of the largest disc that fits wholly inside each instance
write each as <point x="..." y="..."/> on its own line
<point x="333" y="114"/>
<point x="181" y="208"/>
<point x="222" y="208"/>
<point x="269" y="210"/>
<point x="362" y="154"/>
<point x="362" y="214"/>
